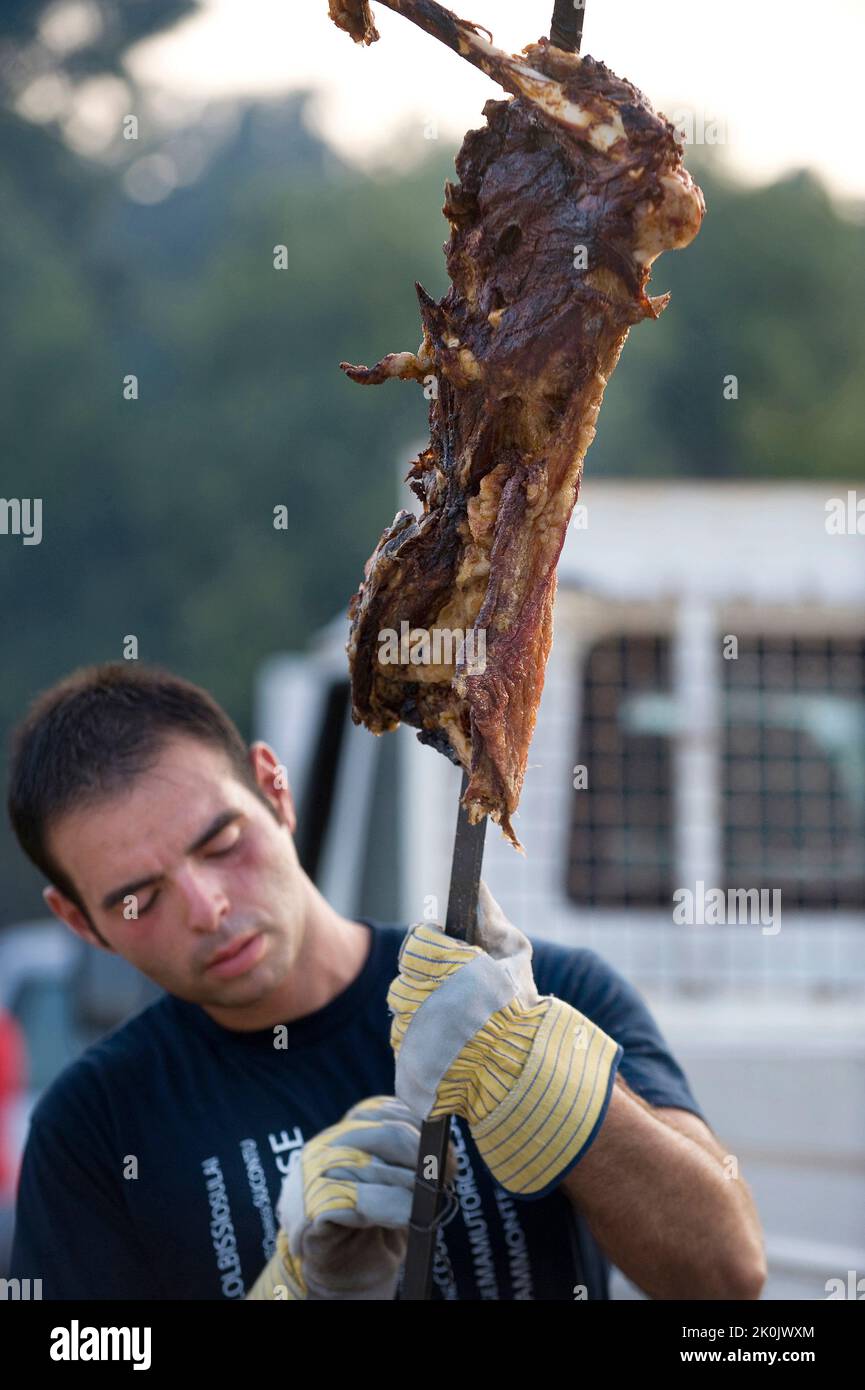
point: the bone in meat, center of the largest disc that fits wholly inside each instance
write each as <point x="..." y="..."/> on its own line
<point x="520" y="350"/>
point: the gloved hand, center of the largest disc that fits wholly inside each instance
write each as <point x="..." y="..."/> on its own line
<point x="472" y="1037"/>
<point x="345" y="1206"/>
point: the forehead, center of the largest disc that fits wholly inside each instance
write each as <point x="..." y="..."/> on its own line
<point x="160" y="812"/>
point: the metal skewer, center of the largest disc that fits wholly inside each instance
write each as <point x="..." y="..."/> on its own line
<point x="461" y="921"/>
<point x="566" y="29"/>
<point x="566" y="32"/>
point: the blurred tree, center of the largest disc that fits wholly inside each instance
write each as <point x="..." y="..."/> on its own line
<point x="76" y="38"/>
<point x="767" y="293"/>
<point x="49" y="51"/>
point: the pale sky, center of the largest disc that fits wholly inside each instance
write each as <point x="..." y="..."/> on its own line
<point x="784" y="76"/>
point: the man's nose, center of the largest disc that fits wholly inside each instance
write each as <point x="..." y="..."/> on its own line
<point x="206" y="901"/>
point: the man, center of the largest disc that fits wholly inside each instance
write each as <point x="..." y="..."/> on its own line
<point x="171" y="1158"/>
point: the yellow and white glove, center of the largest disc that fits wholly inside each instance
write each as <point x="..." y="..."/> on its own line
<point x="472" y="1037"/>
<point x="344" y="1208"/>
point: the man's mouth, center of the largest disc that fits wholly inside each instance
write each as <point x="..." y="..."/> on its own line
<point x="239" y="955"/>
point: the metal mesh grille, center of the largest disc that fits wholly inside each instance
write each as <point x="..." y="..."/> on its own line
<point x="794" y="770"/>
<point x="620" y="840"/>
<point x="792" y="773"/>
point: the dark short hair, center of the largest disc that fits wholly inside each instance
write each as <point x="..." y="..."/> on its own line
<point x="92" y="734"/>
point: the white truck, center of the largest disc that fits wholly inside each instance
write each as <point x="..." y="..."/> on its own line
<point x="694" y="810"/>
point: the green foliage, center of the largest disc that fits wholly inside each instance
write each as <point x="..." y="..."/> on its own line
<point x="158" y="513"/>
<point x="770" y="291"/>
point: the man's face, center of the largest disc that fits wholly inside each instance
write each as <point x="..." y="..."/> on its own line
<point x="205" y="865"/>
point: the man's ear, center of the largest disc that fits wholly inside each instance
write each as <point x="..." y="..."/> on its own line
<point x="272" y="778"/>
<point x="74" y="918"/>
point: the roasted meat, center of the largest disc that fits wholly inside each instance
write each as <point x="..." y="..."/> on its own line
<point x="564" y="199"/>
<point x="355" y="17"/>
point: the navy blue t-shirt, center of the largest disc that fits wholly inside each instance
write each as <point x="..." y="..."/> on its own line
<point x="154" y="1162"/>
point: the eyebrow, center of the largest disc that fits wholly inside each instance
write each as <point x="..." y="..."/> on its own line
<point x="221" y="821"/>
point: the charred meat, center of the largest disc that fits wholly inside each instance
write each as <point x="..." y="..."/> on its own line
<point x="564" y="199"/>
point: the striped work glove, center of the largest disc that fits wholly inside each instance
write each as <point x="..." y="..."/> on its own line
<point x="344" y="1208"/>
<point x="472" y="1037"/>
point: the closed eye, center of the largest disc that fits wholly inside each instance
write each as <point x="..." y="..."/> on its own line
<point x="221" y="853"/>
<point x="233" y="830"/>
